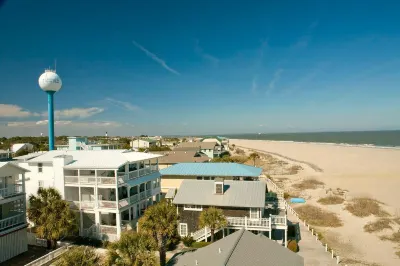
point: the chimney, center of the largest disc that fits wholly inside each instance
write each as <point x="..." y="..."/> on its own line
<point x="219" y="186"/>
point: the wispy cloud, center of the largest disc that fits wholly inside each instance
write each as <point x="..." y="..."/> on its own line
<point x="11" y="110"/>
<point x="156" y="58"/>
<point x="125" y="105"/>
<point x="199" y="50"/>
<point x="61" y="123"/>
<point x="254" y="85"/>
<point x="305" y="40"/>
<point x="76" y="112"/>
<point x="275" y="79"/>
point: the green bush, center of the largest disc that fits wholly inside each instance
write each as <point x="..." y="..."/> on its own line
<point x="293" y="246"/>
<point x="286" y="195"/>
<point x="188" y="241"/>
<point x="200" y="244"/>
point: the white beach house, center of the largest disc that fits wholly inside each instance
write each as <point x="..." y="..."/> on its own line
<point x="108" y="189"/>
<point x="13" y="237"/>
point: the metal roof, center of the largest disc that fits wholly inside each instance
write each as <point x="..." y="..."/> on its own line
<point x="238" y="249"/>
<point x="212" y="169"/>
<point x="170" y="193"/>
<point x="248" y="194"/>
<point x="101" y="159"/>
<point x="172" y="157"/>
<point x="3" y="164"/>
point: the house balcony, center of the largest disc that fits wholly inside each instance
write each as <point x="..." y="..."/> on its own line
<point x="11" y="190"/>
<point x="124" y="177"/>
<point x="90" y="180"/>
<point x="12" y="221"/>
<point x="260" y="224"/>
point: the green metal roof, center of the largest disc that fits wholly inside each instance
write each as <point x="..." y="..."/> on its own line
<point x="212" y="169"/>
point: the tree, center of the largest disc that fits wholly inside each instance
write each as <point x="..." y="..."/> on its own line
<point x="21" y="152"/>
<point x="132" y="249"/>
<point x="51" y="215"/>
<point x="81" y="255"/>
<point x="160" y="221"/>
<point x="254" y="156"/>
<point x="212" y="218"/>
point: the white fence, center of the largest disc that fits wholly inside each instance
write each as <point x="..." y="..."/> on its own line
<point x="314" y="233"/>
<point x="48" y="257"/>
<point x="34" y="241"/>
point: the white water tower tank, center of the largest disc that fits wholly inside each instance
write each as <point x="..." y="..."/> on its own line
<point x="50" y="81"/>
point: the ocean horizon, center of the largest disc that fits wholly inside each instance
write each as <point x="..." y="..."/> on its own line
<point x="383" y="138"/>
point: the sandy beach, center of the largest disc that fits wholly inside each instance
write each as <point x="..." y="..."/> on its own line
<point x="360" y="172"/>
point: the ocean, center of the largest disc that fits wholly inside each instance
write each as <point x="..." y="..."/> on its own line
<point x="359" y="138"/>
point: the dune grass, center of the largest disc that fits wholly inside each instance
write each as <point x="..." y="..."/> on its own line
<point x="318" y="217"/>
<point x="378" y="225"/>
<point x="364" y="207"/>
<point x="308" y="184"/>
<point x="331" y="200"/>
<point x="395" y="237"/>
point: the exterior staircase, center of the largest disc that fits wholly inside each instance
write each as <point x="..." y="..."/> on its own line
<point x="203" y="234"/>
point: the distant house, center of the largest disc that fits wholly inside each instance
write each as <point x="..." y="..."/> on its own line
<point x="243" y="204"/>
<point x="174" y="157"/>
<point x="238" y="249"/>
<point x="17" y="147"/>
<point x="144" y="143"/>
<point x="173" y="176"/>
<point x="82" y="143"/>
<point x="5" y="155"/>
<point x="211" y="149"/>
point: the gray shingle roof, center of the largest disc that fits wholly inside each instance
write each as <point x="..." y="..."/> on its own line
<point x="249" y="194"/>
<point x="239" y="249"/>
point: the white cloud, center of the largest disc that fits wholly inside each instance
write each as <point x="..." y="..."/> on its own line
<point x="11" y="110"/>
<point x="76" y="112"/>
<point x="156" y="58"/>
<point x="125" y="105"/>
<point x="204" y="55"/>
<point x="64" y="123"/>
<point x="275" y="79"/>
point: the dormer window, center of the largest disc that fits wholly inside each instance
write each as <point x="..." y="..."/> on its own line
<point x="219" y="186"/>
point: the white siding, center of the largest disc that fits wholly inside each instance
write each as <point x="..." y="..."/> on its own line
<point x="13" y="244"/>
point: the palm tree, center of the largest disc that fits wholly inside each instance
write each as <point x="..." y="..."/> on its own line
<point x="212" y="218"/>
<point x="83" y="256"/>
<point x="160" y="221"/>
<point x="51" y="215"/>
<point x="254" y="156"/>
<point x="132" y="249"/>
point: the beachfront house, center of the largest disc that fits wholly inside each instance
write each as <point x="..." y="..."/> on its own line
<point x="238" y="249"/>
<point x="5" y="155"/>
<point x="13" y="236"/>
<point x="18" y="147"/>
<point x="144" y="143"/>
<point x="173" y="157"/>
<point x="243" y="203"/>
<point x="211" y="149"/>
<point x="173" y="176"/>
<point x="107" y="189"/>
<point x="222" y="141"/>
<point x="82" y="143"/>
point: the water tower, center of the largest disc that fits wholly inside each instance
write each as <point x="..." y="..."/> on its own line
<point x="50" y="82"/>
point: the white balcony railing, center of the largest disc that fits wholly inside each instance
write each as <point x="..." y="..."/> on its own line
<point x="87" y="204"/>
<point x="148" y="193"/>
<point x="11" y="190"/>
<point x="143" y="195"/>
<point x="278" y="220"/>
<point x="134" y="198"/>
<point x="12" y="221"/>
<point x="89" y="180"/>
<point x="108" y="229"/>
<point x="107" y="204"/>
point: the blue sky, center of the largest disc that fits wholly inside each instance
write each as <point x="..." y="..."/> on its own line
<point x="198" y="67"/>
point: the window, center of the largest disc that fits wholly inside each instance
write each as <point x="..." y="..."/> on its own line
<point x="183" y="229"/>
<point x="218" y="188"/>
<point x="254" y="214"/>
<point x="193" y="208"/>
<point x="206" y="178"/>
<point x="199" y="178"/>
<point x="40" y="168"/>
<point x="41" y="183"/>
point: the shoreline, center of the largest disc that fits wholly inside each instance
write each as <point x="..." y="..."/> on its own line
<point x="366" y="145"/>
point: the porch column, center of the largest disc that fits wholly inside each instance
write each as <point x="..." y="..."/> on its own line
<point x="130" y="212"/>
<point x="96" y="192"/>
<point x="118" y="216"/>
<point x="285" y="238"/>
<point x="23" y="184"/>
<point x="81" y="222"/>
<point x="223" y="232"/>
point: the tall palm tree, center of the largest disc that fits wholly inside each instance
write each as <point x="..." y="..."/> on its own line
<point x="51" y="215"/>
<point x="160" y="221"/>
<point x="83" y="256"/>
<point x="132" y="249"/>
<point x="254" y="156"/>
<point x="212" y="218"/>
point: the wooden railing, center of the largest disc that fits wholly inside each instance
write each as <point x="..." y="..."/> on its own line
<point x="11" y="190"/>
<point x="48" y="257"/>
<point x="12" y="221"/>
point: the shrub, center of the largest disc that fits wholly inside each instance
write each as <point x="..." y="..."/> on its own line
<point x="363" y="207"/>
<point x="318" y="217"/>
<point x="240" y="151"/>
<point x="286" y="195"/>
<point x="395" y="237"/>
<point x="200" y="244"/>
<point x="331" y="200"/>
<point x="378" y="225"/>
<point x="188" y="241"/>
<point x="293" y="246"/>
<point x="308" y="184"/>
